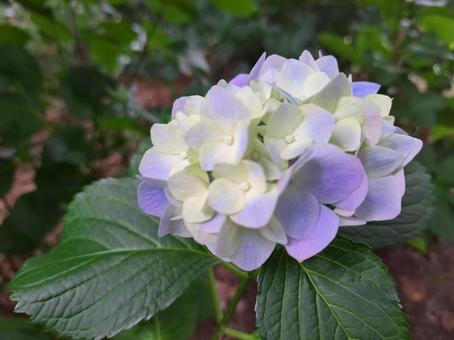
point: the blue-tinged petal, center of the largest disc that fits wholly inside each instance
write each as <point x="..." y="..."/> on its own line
<point x="372" y="125"/>
<point x="172" y="223"/>
<point x="155" y="165"/>
<point x="331" y="174"/>
<point x="151" y="198"/>
<point x="226" y="196"/>
<point x="320" y="237"/>
<point x="271" y="64"/>
<point x="400" y="178"/>
<point x="364" y="88"/>
<point x="292" y="76"/>
<point x="178" y="106"/>
<point x="408" y="146"/>
<point x="274" y="232"/>
<point x="223" y="108"/>
<point x="317" y="125"/>
<point x="297" y="211"/>
<point x="307" y="58"/>
<point x="328" y="64"/>
<point x="240" y="80"/>
<point x="355" y="199"/>
<point x="253" y="251"/>
<point x="383" y="200"/>
<point x="380" y="161"/>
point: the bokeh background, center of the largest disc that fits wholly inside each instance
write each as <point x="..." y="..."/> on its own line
<point x="81" y="82"/>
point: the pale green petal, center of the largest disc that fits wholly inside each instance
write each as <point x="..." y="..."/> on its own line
<point x="349" y="107"/>
<point x="284" y="120"/>
<point x="382" y="101"/>
<point x="229" y="240"/>
<point x="347" y="134"/>
<point x="330" y="95"/>
<point x="196" y="209"/>
<point x="274" y="232"/>
<point x="168" y="138"/>
<point x="275" y="147"/>
<point x="187" y="183"/>
<point x="237" y="173"/>
<point x="226" y="196"/>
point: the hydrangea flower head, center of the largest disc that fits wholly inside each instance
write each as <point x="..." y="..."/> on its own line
<point x="285" y="154"/>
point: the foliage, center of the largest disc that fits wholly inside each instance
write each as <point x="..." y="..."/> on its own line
<point x="68" y="76"/>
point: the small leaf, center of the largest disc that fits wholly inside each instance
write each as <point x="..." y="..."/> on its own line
<point x="345" y="292"/>
<point x="417" y="207"/>
<point x="241" y="8"/>
<point x="110" y="271"/>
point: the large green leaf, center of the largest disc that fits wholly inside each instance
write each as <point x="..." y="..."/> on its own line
<point x="111" y="270"/>
<point x="417" y="207"/>
<point x="345" y="292"/>
<point x="21" y="329"/>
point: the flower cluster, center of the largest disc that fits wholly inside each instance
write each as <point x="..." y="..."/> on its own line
<point x="285" y="154"/>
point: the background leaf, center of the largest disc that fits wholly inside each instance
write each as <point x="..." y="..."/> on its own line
<point x="345" y="292"/>
<point x="417" y="207"/>
<point x="110" y="270"/>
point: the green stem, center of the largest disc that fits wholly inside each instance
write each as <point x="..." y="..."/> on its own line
<point x="236" y="298"/>
<point x="214" y="293"/>
<point x="235" y="270"/>
<point x="238" y="334"/>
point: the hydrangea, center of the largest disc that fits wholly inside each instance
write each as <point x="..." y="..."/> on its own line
<point x="285" y="155"/>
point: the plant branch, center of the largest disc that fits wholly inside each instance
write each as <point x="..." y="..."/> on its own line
<point x="214" y="293"/>
<point x="238" y="334"/>
<point x="236" y="298"/>
<point x="235" y="270"/>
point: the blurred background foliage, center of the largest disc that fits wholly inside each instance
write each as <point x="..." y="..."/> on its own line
<point x="82" y="80"/>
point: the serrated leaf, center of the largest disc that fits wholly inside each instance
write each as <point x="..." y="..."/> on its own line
<point x="345" y="292"/>
<point x="417" y="207"/>
<point x="110" y="271"/>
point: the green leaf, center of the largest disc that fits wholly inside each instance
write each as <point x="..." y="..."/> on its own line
<point x="441" y="25"/>
<point x="11" y="35"/>
<point x="111" y="270"/>
<point x="345" y="292"/>
<point x="417" y="206"/>
<point x="178" y="321"/>
<point x="21" y="329"/>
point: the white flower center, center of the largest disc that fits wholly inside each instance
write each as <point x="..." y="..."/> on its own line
<point x="228" y="140"/>
<point x="245" y="186"/>
<point x="289" y="139"/>
<point x="183" y="155"/>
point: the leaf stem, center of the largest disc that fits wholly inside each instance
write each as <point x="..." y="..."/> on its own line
<point x="238" y="334"/>
<point x="236" y="298"/>
<point x="235" y="270"/>
<point x="216" y="301"/>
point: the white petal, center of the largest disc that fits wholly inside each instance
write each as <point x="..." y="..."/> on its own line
<point x="250" y="100"/>
<point x="295" y="149"/>
<point x="347" y="134"/>
<point x="237" y="173"/>
<point x="284" y="120"/>
<point x="307" y="58"/>
<point x="258" y="209"/>
<point x="317" y="125"/>
<point x="274" y="232"/>
<point x="226" y="196"/>
<point x="203" y="132"/>
<point x="256" y="176"/>
<point x="314" y="83"/>
<point x="275" y="147"/>
<point x="229" y="240"/>
<point x="292" y="76"/>
<point x="328" y="64"/>
<point x="172" y="223"/>
<point x="196" y="210"/>
<point x="349" y="107"/>
<point x="408" y="146"/>
<point x="330" y="95"/>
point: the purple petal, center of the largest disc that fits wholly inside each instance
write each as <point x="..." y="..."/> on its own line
<point x="328" y="64"/>
<point x="380" y="161"/>
<point x="253" y="251"/>
<point x="273" y="62"/>
<point x="322" y="234"/>
<point x="254" y="74"/>
<point x="364" y="88"/>
<point x="331" y="174"/>
<point x="169" y="224"/>
<point x="355" y="199"/>
<point x="400" y="178"/>
<point x="213" y="225"/>
<point x="297" y="211"/>
<point x="383" y="200"/>
<point x="156" y="165"/>
<point x="151" y="198"/>
<point x="307" y="58"/>
<point x="240" y="80"/>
